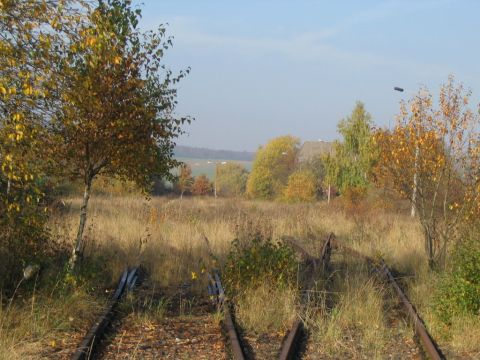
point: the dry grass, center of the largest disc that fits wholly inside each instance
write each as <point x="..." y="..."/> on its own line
<point x="44" y="319"/>
<point x="350" y="319"/>
<point x="166" y="236"/>
<point x="266" y="309"/>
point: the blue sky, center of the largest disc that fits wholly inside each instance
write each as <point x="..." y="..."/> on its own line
<point x="266" y="68"/>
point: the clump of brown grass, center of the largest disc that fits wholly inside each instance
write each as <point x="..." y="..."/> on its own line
<point x="44" y="319"/>
<point x="266" y="309"/>
<point x="352" y="322"/>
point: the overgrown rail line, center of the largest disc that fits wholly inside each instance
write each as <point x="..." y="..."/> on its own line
<point x="88" y="346"/>
<point x="215" y="288"/>
<point x="428" y="344"/>
<point x="290" y="345"/>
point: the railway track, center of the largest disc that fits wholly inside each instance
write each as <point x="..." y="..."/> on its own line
<point x="90" y="343"/>
<point x="292" y="342"/>
<point x="429" y="346"/>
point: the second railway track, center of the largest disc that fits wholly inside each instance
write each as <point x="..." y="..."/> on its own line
<point x="292" y="342"/>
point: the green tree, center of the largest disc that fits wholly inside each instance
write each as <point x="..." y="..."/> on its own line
<point x="352" y="160"/>
<point x="272" y="166"/>
<point x="231" y="179"/>
<point x="118" y="99"/>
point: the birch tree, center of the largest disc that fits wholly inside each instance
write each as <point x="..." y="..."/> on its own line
<point x="117" y="102"/>
<point x="440" y="148"/>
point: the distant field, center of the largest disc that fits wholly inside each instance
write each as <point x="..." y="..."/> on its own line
<point x="207" y="167"/>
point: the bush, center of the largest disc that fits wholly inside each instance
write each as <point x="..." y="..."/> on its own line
<point x="201" y="186"/>
<point x="250" y="264"/>
<point x="231" y="179"/>
<point x="301" y="187"/>
<point x="459" y="289"/>
<point x="354" y="195"/>
<point x="23" y="241"/>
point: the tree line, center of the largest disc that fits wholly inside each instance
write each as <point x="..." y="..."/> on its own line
<point x="430" y="158"/>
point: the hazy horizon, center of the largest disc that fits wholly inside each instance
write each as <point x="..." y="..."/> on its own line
<point x="261" y="69"/>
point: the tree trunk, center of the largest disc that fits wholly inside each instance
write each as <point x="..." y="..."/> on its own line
<point x="329" y="192"/>
<point x="434" y="258"/>
<point x="181" y="194"/>
<point x="414" y="194"/>
<point x="415" y="180"/>
<point x="77" y="252"/>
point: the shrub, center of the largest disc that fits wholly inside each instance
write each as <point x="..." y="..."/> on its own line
<point x="459" y="289"/>
<point x="301" y="187"/>
<point x="354" y="195"/>
<point x="201" y="186"/>
<point x="260" y="260"/>
<point x="22" y="242"/>
<point x="231" y="179"/>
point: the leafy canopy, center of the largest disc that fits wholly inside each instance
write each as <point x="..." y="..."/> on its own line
<point x="301" y="186"/>
<point x="116" y="115"/>
<point x="272" y="166"/>
<point x="352" y="160"/>
<point x="437" y="151"/>
<point x="231" y="179"/>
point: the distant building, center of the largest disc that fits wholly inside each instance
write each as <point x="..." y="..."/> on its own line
<point x="313" y="149"/>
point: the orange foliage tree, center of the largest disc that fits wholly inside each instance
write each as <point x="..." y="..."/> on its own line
<point x="201" y="185"/>
<point x="184" y="180"/>
<point x="432" y="158"/>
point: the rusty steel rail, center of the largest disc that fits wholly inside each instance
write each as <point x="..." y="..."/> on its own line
<point x="87" y="347"/>
<point x="429" y="345"/>
<point x="291" y="342"/>
<point x="216" y="288"/>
